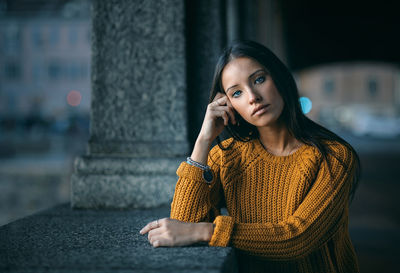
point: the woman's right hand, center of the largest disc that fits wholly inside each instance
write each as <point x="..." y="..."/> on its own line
<point x="219" y="113"/>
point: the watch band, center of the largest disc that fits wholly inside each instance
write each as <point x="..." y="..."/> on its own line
<point x="207" y="173"/>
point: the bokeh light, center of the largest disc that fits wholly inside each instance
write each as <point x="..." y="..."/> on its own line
<point x="74" y="98"/>
<point x="306" y="104"/>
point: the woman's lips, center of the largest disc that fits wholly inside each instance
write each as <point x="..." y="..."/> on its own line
<point x="259" y="110"/>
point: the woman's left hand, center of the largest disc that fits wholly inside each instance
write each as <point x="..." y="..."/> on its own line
<point x="170" y="232"/>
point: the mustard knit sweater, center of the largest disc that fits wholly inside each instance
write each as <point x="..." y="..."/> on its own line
<point x="286" y="213"/>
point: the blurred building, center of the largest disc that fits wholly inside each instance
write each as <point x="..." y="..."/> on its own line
<point x="44" y="55"/>
<point x="45" y="52"/>
<point x="44" y="64"/>
<point x="42" y="60"/>
<point x="361" y="97"/>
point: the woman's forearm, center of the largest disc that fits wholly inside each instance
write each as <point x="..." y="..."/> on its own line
<point x="200" y="150"/>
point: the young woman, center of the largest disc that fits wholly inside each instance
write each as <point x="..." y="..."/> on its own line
<point x="286" y="181"/>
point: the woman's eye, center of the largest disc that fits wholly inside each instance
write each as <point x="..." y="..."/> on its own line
<point x="236" y="93"/>
<point x="259" y="80"/>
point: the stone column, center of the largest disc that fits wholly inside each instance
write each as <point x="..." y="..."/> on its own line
<point x="138" y="132"/>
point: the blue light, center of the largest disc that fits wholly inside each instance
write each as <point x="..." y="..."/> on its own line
<point x="306" y="104"/>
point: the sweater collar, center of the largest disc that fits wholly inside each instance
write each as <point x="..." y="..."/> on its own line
<point x="266" y="155"/>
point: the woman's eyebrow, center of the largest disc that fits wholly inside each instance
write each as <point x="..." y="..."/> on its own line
<point x="255" y="72"/>
<point x="231" y="87"/>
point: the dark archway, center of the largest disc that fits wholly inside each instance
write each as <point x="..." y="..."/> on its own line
<point x="319" y="32"/>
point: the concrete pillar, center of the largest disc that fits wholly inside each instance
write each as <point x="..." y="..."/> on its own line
<point x="138" y="133"/>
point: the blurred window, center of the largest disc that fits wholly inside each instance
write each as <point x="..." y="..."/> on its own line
<point x="54" y="36"/>
<point x="54" y="70"/>
<point x="12" y="39"/>
<point x="11" y="102"/>
<point x="329" y="87"/>
<point x="37" y="71"/>
<point x="73" y="71"/>
<point x="37" y="37"/>
<point x="372" y="87"/>
<point x="73" y="36"/>
<point x="84" y="70"/>
<point x="12" y="70"/>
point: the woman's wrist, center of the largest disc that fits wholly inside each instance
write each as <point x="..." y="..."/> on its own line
<point x="200" y="150"/>
<point x="205" y="231"/>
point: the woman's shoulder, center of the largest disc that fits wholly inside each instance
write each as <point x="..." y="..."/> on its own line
<point x="339" y="150"/>
<point x="335" y="151"/>
<point x="229" y="150"/>
<point x="333" y="147"/>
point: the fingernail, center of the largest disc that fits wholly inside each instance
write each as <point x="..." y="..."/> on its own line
<point x="141" y="231"/>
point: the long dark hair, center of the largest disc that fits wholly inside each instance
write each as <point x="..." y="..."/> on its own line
<point x="298" y="125"/>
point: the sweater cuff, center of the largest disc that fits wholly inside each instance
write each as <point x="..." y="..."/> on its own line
<point x="193" y="173"/>
<point x="222" y="231"/>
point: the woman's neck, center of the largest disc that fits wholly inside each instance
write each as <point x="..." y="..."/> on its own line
<point x="277" y="140"/>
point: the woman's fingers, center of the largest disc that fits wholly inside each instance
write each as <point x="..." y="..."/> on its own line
<point x="220" y="100"/>
<point x="160" y="237"/>
<point x="161" y="242"/>
<point x="150" y="226"/>
<point x="171" y="233"/>
<point x="222" y="103"/>
<point x="154" y="235"/>
<point x="225" y="112"/>
<point x="225" y="117"/>
<point x="229" y="111"/>
<point x="154" y="232"/>
<point x="219" y="113"/>
<point x="218" y="96"/>
<point x="157" y="241"/>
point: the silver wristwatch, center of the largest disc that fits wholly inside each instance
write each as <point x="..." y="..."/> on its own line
<point x="207" y="173"/>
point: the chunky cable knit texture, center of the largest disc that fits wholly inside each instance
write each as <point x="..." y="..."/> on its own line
<point x="286" y="213"/>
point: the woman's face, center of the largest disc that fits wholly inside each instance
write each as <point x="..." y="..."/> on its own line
<point x="252" y="92"/>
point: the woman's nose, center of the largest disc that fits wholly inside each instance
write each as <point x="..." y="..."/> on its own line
<point x="254" y="97"/>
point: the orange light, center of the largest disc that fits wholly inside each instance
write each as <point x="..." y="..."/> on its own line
<point x="74" y="98"/>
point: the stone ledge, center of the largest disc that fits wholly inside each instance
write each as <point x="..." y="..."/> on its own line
<point x="139" y="149"/>
<point x="123" y="182"/>
<point x="121" y="191"/>
<point x="65" y="240"/>
<point x="126" y="165"/>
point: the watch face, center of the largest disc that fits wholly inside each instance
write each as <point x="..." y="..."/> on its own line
<point x="208" y="176"/>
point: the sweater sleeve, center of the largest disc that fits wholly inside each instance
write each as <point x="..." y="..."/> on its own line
<point x="313" y="223"/>
<point x="195" y="200"/>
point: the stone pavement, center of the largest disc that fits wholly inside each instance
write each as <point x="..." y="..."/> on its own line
<point x="65" y="240"/>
